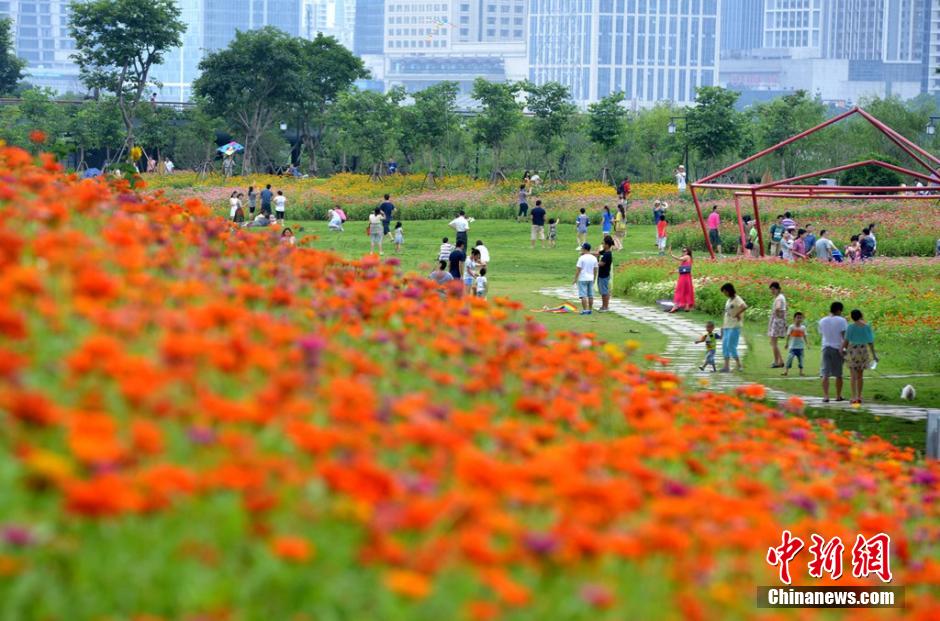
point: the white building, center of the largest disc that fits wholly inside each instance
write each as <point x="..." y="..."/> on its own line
<point x="795" y="25"/>
<point x="41" y="38"/>
<point x="655" y="51"/>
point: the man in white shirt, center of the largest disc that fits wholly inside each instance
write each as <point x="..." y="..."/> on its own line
<point x="484" y="252"/>
<point x="584" y="276"/>
<point x="832" y="333"/>
<point x="824" y="247"/>
<point x="461" y="225"/>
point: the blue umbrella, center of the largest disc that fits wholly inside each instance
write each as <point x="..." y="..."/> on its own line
<point x="230" y="148"/>
<point x="91" y="172"/>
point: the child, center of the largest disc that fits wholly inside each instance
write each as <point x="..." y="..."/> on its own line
<point x="481" y="284"/>
<point x="710" y="338"/>
<point x="581" y="224"/>
<point x="796" y="343"/>
<point x="287" y="236"/>
<point x="552" y="232"/>
<point x="446" y="249"/>
<point x="280" y="204"/>
<point x="661" y="235"/>
<point x="399" y="237"/>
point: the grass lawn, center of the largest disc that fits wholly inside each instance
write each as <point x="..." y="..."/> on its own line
<point x="517" y="271"/>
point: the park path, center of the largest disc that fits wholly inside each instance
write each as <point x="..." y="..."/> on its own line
<point x="681" y="333"/>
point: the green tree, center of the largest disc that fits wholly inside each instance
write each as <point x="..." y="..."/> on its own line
<point x="195" y="143"/>
<point x="872" y="176"/>
<point x="499" y="116"/>
<point x="96" y="126"/>
<point x="249" y="83"/>
<point x="118" y="42"/>
<point x="159" y="127"/>
<point x="786" y="116"/>
<point x="368" y="123"/>
<point x="37" y="109"/>
<point x="327" y="69"/>
<point x="552" y="110"/>
<point x="606" y="127"/>
<point x="11" y="66"/>
<point x="654" y="151"/>
<point x="428" y="124"/>
<point x="713" y="126"/>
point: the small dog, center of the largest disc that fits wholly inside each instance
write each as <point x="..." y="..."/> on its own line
<point x="908" y="393"/>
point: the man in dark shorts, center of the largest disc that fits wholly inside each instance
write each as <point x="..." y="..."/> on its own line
<point x="832" y="333"/>
<point x="456" y="260"/>
<point x="605" y="260"/>
<point x="266" y="197"/>
<point x="388" y="209"/>
<point x="523" y="203"/>
<point x="538" y="223"/>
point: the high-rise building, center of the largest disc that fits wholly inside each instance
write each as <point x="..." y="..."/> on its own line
<point x="211" y="26"/>
<point x="932" y="66"/>
<point x="369" y="37"/>
<point x="652" y="51"/>
<point x="333" y="18"/>
<point x="742" y="27"/>
<point x="459" y="40"/>
<point x="794" y="24"/>
<point x="41" y="38"/>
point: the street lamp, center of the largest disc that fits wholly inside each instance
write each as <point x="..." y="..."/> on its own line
<point x="283" y="126"/>
<point x="672" y="129"/>
<point x="931" y="128"/>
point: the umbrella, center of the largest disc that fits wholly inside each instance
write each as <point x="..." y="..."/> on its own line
<point x="230" y="148"/>
<point x="91" y="172"/>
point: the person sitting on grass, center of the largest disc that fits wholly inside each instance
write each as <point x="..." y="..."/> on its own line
<point x="796" y="343"/>
<point x="853" y="251"/>
<point x="710" y="338"/>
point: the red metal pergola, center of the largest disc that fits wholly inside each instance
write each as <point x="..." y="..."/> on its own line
<point x="785" y="188"/>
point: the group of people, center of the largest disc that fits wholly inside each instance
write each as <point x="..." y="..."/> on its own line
<point x="454" y="266"/>
<point x="380" y="226"/>
<point x="593" y="269"/>
<point x="273" y="207"/>
<point x="842" y="343"/>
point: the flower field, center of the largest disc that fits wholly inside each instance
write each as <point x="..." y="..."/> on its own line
<point x="201" y="423"/>
<point x="899" y="296"/>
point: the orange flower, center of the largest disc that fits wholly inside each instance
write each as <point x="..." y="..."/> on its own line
<point x="37" y="136"/>
<point x="409" y="584"/>
<point x="293" y="549"/>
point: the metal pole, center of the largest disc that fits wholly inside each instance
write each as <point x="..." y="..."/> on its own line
<point x="933" y="435"/>
<point x="760" y="231"/>
<point x="701" y="221"/>
<point x="737" y="209"/>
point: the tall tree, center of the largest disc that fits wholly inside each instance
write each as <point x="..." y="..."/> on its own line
<point x="11" y="66"/>
<point x="118" y="42"/>
<point x="713" y="126"/>
<point x="429" y="123"/>
<point x="783" y="117"/>
<point x="499" y="116"/>
<point x="606" y="126"/>
<point x="96" y="126"/>
<point x="552" y="109"/>
<point x="251" y="82"/>
<point x="368" y="123"/>
<point x="327" y="69"/>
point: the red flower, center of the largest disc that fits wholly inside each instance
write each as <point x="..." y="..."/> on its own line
<point x="37" y="136"/>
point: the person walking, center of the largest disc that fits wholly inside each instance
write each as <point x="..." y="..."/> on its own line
<point x="607" y="221"/>
<point x="581" y="226"/>
<point x="584" y="276"/>
<point x="376" y="236"/>
<point x="714" y="221"/>
<point x="388" y="208"/>
<point x="252" y="201"/>
<point x="605" y="260"/>
<point x="456" y="260"/>
<point x="523" y="203"/>
<point x="832" y="334"/>
<point x="799" y="249"/>
<point x="460" y="224"/>
<point x="684" y="297"/>
<point x="776" y="236"/>
<point x="623" y="190"/>
<point x="777" y="326"/>
<point x="661" y="236"/>
<point x="858" y="342"/>
<point x="620" y="225"/>
<point x="731" y="329"/>
<point x="538" y="224"/>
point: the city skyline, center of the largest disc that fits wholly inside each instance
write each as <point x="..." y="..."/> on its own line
<point x="651" y="50"/>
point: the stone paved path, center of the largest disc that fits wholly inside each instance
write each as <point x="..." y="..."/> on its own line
<point x="681" y="333"/>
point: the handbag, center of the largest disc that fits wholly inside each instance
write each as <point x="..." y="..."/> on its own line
<point x="685" y="269"/>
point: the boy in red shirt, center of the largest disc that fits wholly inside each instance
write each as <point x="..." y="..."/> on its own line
<point x="661" y="235"/>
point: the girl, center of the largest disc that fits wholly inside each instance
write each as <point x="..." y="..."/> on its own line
<point x="399" y="237"/>
<point x="287" y="236"/>
<point x="235" y="212"/>
<point x="853" y="251"/>
<point x="777" y="326"/>
<point x="607" y="221"/>
<point x="252" y="200"/>
<point x="375" y="231"/>
<point x="336" y="220"/>
<point x="581" y="225"/>
<point x="470" y="270"/>
<point x="859" y="341"/>
<point x="620" y="226"/>
<point x="552" y="232"/>
<point x="661" y="235"/>
<point x="731" y="330"/>
<point x="684" y="297"/>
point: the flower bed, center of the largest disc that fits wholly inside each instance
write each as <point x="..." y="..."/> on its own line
<point x="899" y="297"/>
<point x="200" y="422"/>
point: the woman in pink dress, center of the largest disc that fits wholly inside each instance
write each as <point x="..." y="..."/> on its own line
<point x="684" y="298"/>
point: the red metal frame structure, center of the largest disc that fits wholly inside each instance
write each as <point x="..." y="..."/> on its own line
<point x="787" y="188"/>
